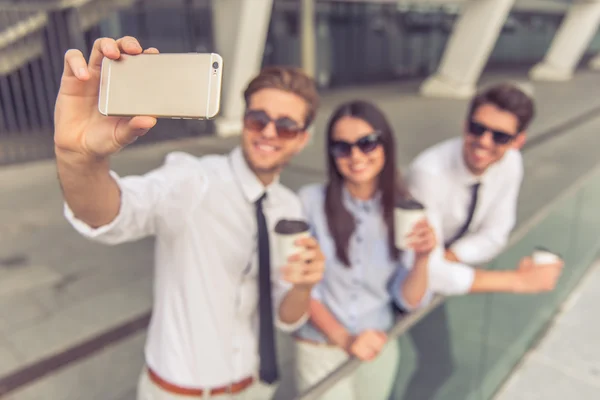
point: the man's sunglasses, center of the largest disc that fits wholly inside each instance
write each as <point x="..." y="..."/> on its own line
<point x="366" y="144"/>
<point x="499" y="137"/>
<point x="257" y="121"/>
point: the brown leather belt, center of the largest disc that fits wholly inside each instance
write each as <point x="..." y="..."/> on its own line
<point x="314" y="342"/>
<point x="235" y="387"/>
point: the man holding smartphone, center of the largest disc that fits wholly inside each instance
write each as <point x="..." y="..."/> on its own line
<point x="217" y="292"/>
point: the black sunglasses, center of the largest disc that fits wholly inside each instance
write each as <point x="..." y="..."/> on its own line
<point x="257" y="120"/>
<point x="499" y="137"/>
<point x="366" y="144"/>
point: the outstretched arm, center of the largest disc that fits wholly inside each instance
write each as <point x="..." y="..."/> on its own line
<point x="84" y="139"/>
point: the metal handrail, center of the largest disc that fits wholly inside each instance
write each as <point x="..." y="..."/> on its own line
<point x="22" y="28"/>
<point x="404" y="324"/>
<point x="22" y="41"/>
<point x="40" y="5"/>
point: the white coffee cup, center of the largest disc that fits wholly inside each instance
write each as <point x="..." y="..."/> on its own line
<point x="287" y="232"/>
<point x="543" y="256"/>
<point x="406" y="215"/>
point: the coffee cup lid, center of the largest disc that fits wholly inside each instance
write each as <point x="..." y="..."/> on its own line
<point x="542" y="249"/>
<point x="289" y="226"/>
<point x="409" y="204"/>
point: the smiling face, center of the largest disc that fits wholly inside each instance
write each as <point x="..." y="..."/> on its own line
<point x="488" y="135"/>
<point x="357" y="149"/>
<point x="271" y="111"/>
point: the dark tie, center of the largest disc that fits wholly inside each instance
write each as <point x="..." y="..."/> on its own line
<point x="266" y="344"/>
<point x="472" y="206"/>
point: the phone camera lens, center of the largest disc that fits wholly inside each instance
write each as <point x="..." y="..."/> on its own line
<point x="216" y="65"/>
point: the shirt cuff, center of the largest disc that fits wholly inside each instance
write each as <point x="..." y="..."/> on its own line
<point x="88" y="231"/>
<point x="451" y="278"/>
<point x="398" y="296"/>
<point x="288" y="328"/>
<point x="282" y="289"/>
<point x="403" y="304"/>
<point x="475" y="254"/>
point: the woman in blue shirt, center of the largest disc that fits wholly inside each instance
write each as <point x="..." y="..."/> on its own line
<point x="352" y="218"/>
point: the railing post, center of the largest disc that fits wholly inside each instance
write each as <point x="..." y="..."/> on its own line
<point x="240" y="31"/>
<point x="307" y="16"/>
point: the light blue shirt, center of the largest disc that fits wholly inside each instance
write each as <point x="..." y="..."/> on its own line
<point x="358" y="296"/>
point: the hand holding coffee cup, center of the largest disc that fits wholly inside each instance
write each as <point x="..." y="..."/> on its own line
<point x="539" y="272"/>
<point x="298" y="253"/>
<point x="422" y="239"/>
<point x="408" y="213"/>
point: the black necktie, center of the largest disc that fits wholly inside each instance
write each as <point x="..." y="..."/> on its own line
<point x="472" y="206"/>
<point x="266" y="344"/>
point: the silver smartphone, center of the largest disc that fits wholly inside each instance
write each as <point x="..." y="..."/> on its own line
<point x="169" y="85"/>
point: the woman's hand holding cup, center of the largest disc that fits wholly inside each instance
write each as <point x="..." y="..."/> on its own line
<point x="422" y="239"/>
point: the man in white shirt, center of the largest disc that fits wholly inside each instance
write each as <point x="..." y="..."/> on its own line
<point x="470" y="187"/>
<point x="211" y="333"/>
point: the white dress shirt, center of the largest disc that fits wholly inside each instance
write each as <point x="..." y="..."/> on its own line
<point x="204" y="327"/>
<point x="439" y="179"/>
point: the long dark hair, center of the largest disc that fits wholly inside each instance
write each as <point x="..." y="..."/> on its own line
<point x="340" y="221"/>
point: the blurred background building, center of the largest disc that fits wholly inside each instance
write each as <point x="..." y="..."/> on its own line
<point x="347" y="43"/>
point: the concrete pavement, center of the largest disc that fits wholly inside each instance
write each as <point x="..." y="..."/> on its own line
<point x="56" y="289"/>
<point x="566" y="362"/>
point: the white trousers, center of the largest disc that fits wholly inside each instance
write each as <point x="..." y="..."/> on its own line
<point x="373" y="380"/>
<point x="148" y="390"/>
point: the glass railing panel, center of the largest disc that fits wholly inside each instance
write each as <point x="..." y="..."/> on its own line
<point x="428" y="370"/>
<point x="515" y="322"/>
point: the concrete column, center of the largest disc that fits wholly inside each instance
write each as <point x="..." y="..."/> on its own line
<point x="570" y="42"/>
<point x="240" y="31"/>
<point x="473" y="38"/>
<point x="307" y="15"/>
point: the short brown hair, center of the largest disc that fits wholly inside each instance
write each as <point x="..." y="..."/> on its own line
<point x="289" y="79"/>
<point x="507" y="97"/>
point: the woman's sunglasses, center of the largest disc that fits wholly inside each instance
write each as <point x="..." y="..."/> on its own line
<point x="499" y="137"/>
<point x="366" y="144"/>
<point x="257" y="121"/>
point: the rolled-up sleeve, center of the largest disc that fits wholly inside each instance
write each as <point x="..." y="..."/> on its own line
<point x="141" y="209"/>
<point x="450" y="278"/>
<point x="445" y="277"/>
<point x="281" y="290"/>
<point x="111" y="233"/>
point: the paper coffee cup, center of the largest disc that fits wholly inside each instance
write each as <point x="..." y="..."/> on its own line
<point x="406" y="215"/>
<point x="543" y="256"/>
<point x="286" y="233"/>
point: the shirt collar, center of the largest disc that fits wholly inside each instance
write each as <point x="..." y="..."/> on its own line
<point x="251" y="186"/>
